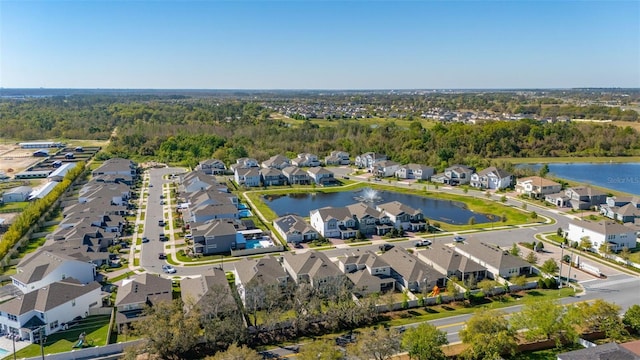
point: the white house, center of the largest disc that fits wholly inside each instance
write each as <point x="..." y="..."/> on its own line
<point x="491" y="178"/>
<point x="367" y="160"/>
<point x="403" y="216"/>
<point x="49" y="308"/>
<point x="45" y="267"/>
<point x="320" y="175"/>
<point x="294" y="229"/>
<point x="249" y="177"/>
<point x="337" y="158"/>
<point x="333" y="222"/>
<point x="616" y="235"/>
<point x="536" y="186"/>
<point x="414" y="171"/>
<point x="454" y="175"/>
<point x="306" y="160"/>
<point x="385" y="168"/>
<point x="277" y="162"/>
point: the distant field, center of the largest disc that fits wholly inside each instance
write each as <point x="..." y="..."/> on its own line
<point x="572" y="159"/>
<point x="632" y="124"/>
<point x="369" y="121"/>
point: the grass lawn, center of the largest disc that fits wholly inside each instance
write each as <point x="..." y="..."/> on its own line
<point x="33" y="245"/>
<point x="14" y="206"/>
<point x="95" y="327"/>
<point x="120" y="277"/>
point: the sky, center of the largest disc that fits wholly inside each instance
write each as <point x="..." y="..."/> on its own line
<point x="319" y="44"/>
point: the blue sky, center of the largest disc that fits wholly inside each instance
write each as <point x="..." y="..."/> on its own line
<point x="319" y="44"/>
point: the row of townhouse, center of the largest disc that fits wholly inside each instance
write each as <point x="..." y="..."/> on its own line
<point x="610" y="233"/>
<point x="254" y="176"/>
<point x="56" y="284"/>
<point x="345" y="222"/>
<point x="211" y="213"/>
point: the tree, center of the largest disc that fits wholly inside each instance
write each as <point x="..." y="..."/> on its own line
<point x="550" y="266"/>
<point x="424" y="342"/>
<point x="599" y="316"/>
<point x="452" y="287"/>
<point x="605" y="249"/>
<point x="625" y="254"/>
<point x="544" y="170"/>
<point x="518" y="280"/>
<point x="532" y="258"/>
<point x="489" y="336"/>
<point x="503" y="199"/>
<point x="585" y="243"/>
<point x="487" y="286"/>
<point x="632" y="318"/>
<point x="319" y="350"/>
<point x="515" y="250"/>
<point x="235" y="352"/>
<point x="379" y="344"/>
<point x="168" y="331"/>
<point x="534" y="215"/>
<point x="559" y="232"/>
<point x="544" y="320"/>
<point x="539" y="246"/>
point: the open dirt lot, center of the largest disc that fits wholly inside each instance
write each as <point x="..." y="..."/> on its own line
<point x="16" y="159"/>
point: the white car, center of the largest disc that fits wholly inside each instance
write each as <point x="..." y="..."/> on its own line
<point x="168" y="269"/>
<point x="423" y="243"/>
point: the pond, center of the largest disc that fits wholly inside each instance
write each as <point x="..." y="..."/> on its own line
<point x="446" y="211"/>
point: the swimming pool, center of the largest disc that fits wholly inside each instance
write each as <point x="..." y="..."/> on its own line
<point x="245" y="213"/>
<point x="242" y="207"/>
<point x="258" y="244"/>
<point x="3" y="352"/>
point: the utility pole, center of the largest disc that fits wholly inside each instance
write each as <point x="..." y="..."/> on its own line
<point x="570" y="262"/>
<point x="561" y="260"/>
<point x="13" y="338"/>
<point x="41" y="341"/>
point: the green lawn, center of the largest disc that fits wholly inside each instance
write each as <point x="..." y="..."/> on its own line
<point x="14" y="206"/>
<point x="95" y="327"/>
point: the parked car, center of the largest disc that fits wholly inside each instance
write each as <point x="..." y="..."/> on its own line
<point x="168" y="269"/>
<point x="162" y="256"/>
<point x="458" y="238"/>
<point x="160" y="222"/>
<point x="298" y="245"/>
<point x="163" y="237"/>
<point x="385" y="247"/>
<point x="423" y="243"/>
<point x="145" y="239"/>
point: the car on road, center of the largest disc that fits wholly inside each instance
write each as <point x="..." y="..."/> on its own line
<point x="145" y="239"/>
<point x="385" y="247"/>
<point x="298" y="246"/>
<point x="160" y="222"/>
<point x="168" y="269"/>
<point x="163" y="237"/>
<point x="162" y="256"/>
<point x="458" y="238"/>
<point x="423" y="243"/>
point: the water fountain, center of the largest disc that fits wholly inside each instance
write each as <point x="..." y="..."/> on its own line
<point x="368" y="195"/>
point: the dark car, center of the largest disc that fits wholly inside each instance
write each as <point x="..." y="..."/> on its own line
<point x="145" y="239"/>
<point x="385" y="247"/>
<point x="458" y="239"/>
<point x="298" y="246"/>
<point x="163" y="237"/>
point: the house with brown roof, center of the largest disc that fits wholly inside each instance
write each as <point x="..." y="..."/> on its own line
<point x="312" y="267"/>
<point x="368" y="273"/>
<point x="252" y="275"/>
<point x="536" y="186"/>
<point x="277" y="162"/>
<point x="498" y="262"/>
<point x="296" y="176"/>
<point x="403" y="216"/>
<point x="447" y="261"/>
<point x="49" y="307"/>
<point x="138" y="292"/>
<point x="210" y="289"/>
<point x="294" y="229"/>
<point x="410" y="272"/>
<point x="212" y="167"/>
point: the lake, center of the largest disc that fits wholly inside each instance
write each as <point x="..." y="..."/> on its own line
<point x="450" y="212"/>
<point x="623" y="177"/>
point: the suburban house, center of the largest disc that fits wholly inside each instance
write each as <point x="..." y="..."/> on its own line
<point x="195" y="181"/>
<point x="368" y="273"/>
<point x="536" y="186"/>
<point x="403" y="216"/>
<point x="410" y="272"/>
<point x="454" y="175"/>
<point x="615" y="235"/>
<point x="585" y="197"/>
<point x="206" y="291"/>
<point x="333" y="222"/>
<point x="249" y="177"/>
<point x="296" y="176"/>
<point x="48" y="308"/>
<point x="369" y="220"/>
<point x="244" y="163"/>
<point x="366" y="160"/>
<point x="608" y="351"/>
<point x="312" y="267"/>
<point x="138" y="292"/>
<point x="294" y="229"/>
<point x="447" y="261"/>
<point x="385" y="168"/>
<point x="306" y="160"/>
<point x="271" y="176"/>
<point x="16" y="194"/>
<point x="321" y="176"/>
<point x="277" y="162"/>
<point x="217" y="236"/>
<point x="623" y="208"/>
<point x="498" y="262"/>
<point x="491" y="178"/>
<point x="116" y="194"/>
<point x="212" y="167"/>
<point x="414" y="171"/>
<point x="116" y="166"/>
<point x="337" y="158"/>
<point x="44" y="267"/>
<point x="558" y="199"/>
<point x="252" y="275"/>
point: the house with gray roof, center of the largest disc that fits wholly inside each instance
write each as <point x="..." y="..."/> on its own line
<point x="217" y="236"/>
<point x="334" y="222"/>
<point x="296" y="176"/>
<point x="369" y="220"/>
<point x="249" y="177"/>
<point x="306" y="160"/>
<point x="403" y="216"/>
<point x="410" y="272"/>
<point x="211" y="167"/>
<point x="16" y="194"/>
<point x="498" y="262"/>
<point x="49" y="307"/>
<point x="451" y="263"/>
<point x="116" y="166"/>
<point x="608" y="351"/>
<point x="492" y="178"/>
<point x="385" y="168"/>
<point x="615" y="236"/>
<point x="271" y="176"/>
<point x="337" y="158"/>
<point x="368" y="273"/>
<point x="136" y="293"/>
<point x="312" y="267"/>
<point x="321" y="176"/>
<point x="414" y="171"/>
<point x="366" y="160"/>
<point x="454" y="175"/>
<point x="253" y="275"/>
<point x="622" y="208"/>
<point x="585" y="197"/>
<point x="277" y="162"/>
<point x="44" y="267"/>
<point x="196" y="181"/>
<point x="210" y="289"/>
<point x="294" y="229"/>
